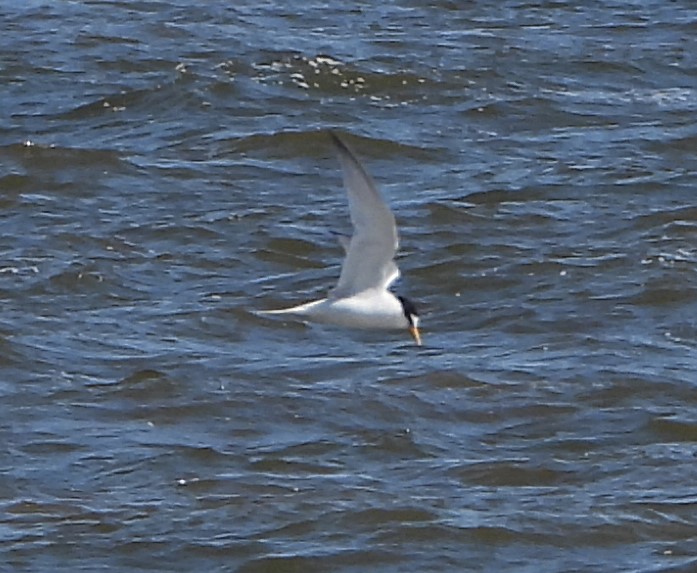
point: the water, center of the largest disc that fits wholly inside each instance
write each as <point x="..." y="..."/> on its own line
<point x="166" y="172"/>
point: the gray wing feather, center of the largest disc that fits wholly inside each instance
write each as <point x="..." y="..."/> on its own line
<point x="369" y="260"/>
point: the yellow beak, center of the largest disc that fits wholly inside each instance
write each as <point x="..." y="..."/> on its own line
<point x="414" y="331"/>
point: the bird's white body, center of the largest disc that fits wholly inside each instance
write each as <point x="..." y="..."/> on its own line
<point x="379" y="310"/>
<point x="361" y="298"/>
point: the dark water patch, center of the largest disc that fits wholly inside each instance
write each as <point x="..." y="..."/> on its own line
<point x="348" y="559"/>
<point x="31" y="157"/>
<point x="515" y="473"/>
<point x="283" y="466"/>
<point x="661" y="292"/>
<point x="675" y="428"/>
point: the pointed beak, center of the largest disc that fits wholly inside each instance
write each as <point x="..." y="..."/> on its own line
<point x="414" y="331"/>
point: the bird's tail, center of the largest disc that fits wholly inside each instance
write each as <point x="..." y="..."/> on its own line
<point x="306" y="309"/>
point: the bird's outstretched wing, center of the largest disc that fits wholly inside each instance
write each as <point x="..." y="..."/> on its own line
<point x="369" y="260"/>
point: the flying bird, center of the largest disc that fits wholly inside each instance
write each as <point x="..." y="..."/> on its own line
<point x="361" y="298"/>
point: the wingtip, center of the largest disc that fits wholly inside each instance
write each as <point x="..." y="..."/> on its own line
<point x="345" y="151"/>
<point x="338" y="141"/>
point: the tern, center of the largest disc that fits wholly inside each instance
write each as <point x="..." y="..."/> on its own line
<point x="361" y="298"/>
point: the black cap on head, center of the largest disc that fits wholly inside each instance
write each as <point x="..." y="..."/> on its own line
<point x="412" y="316"/>
<point x="409" y="309"/>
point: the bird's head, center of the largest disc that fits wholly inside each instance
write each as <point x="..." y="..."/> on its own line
<point x="412" y="316"/>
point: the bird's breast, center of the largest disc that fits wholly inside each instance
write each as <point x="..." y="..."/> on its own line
<point x="369" y="310"/>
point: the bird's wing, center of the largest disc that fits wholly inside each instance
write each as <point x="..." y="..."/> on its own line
<point x="369" y="260"/>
